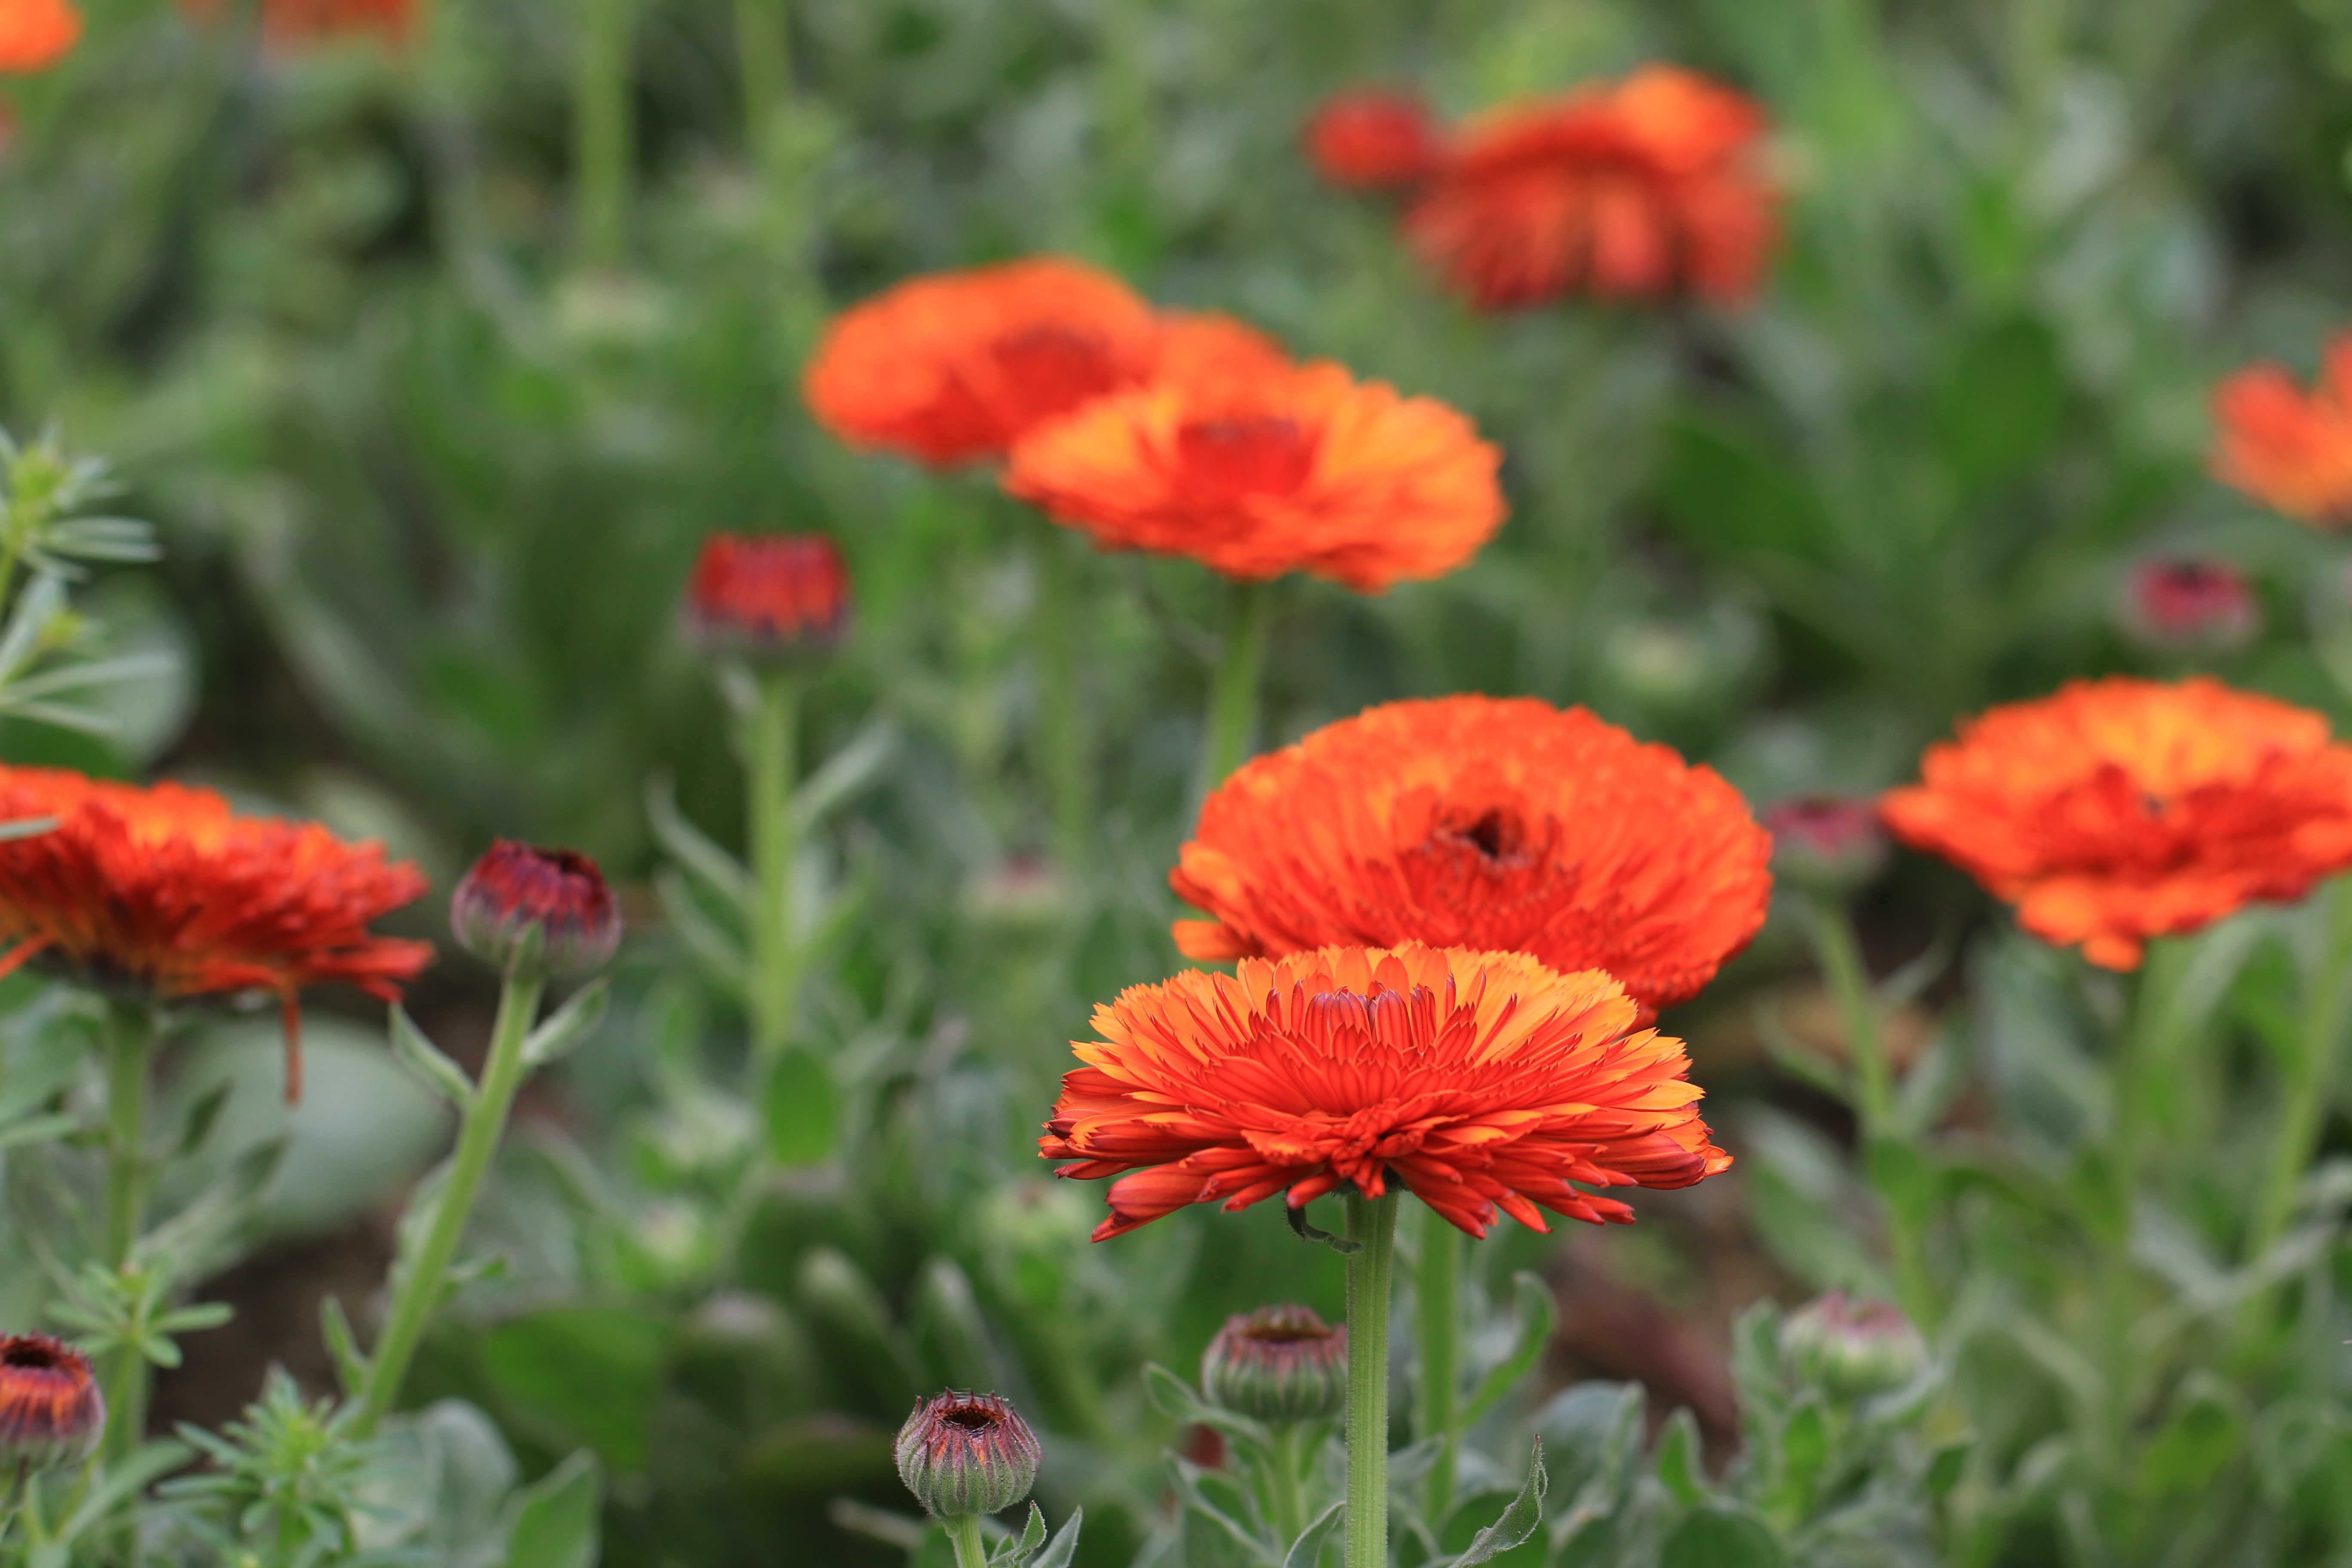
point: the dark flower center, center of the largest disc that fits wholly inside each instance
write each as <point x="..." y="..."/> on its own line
<point x="31" y="1354"/>
<point x="1284" y="1333"/>
<point x="1497" y="833"/>
<point x="1256" y="454"/>
<point x="970" y="1417"/>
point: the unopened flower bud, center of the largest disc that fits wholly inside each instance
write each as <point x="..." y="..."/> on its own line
<point x="1373" y="140"/>
<point x="1826" y="843"/>
<point x="51" y="1413"/>
<point x="515" y="887"/>
<point x="967" y="1453"/>
<point x="2177" y="605"/>
<point x="1851" y="1348"/>
<point x="768" y="597"/>
<point x="1278" y="1364"/>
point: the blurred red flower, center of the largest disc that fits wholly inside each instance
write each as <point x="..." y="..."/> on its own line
<point x="1374" y="140"/>
<point x="2180" y="603"/>
<point x="293" y="24"/>
<point x="768" y="594"/>
<point x="51" y="1412"/>
<point x="36" y="34"/>
<point x="2286" y="447"/>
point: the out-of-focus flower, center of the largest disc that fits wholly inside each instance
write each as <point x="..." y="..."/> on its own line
<point x="1371" y="139"/>
<point x="2287" y="447"/>
<point x="1503" y="823"/>
<point x="1303" y="470"/>
<point x="1826" y="843"/>
<point x="1852" y="1348"/>
<point x="516" y="888"/>
<point x="299" y="24"/>
<point x="2119" y="810"/>
<point x="2178" y="604"/>
<point x="1278" y="1364"/>
<point x="1645" y="188"/>
<point x="967" y="1453"/>
<point x="1481" y="1081"/>
<point x="36" y="34"/>
<point x="768" y="595"/>
<point x="51" y="1412"/>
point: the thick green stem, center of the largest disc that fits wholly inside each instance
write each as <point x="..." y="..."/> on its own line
<point x="1063" y="742"/>
<point x="603" y="133"/>
<point x="129" y="1047"/>
<point x="771" y="764"/>
<point x="423" y="1278"/>
<point x="1371" y="1222"/>
<point x="1285" y="1506"/>
<point x="2307" y="1078"/>
<point x="2144" y="1049"/>
<point x="963" y="1533"/>
<point x="763" y="60"/>
<point x="1233" y="694"/>
<point x="1438" y="1290"/>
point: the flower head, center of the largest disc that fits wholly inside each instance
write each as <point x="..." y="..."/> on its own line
<point x="771" y="594"/>
<point x="51" y="1413"/>
<point x="2287" y="447"/>
<point x="288" y="25"/>
<point x="1827" y="842"/>
<point x="36" y="34"/>
<point x="1278" y="1364"/>
<point x="967" y="1453"/>
<point x="1645" y="188"/>
<point x="2178" y="603"/>
<point x="2119" y="810"/>
<point x="1374" y="140"/>
<point x="1504" y="824"/>
<point x="1852" y="1347"/>
<point x="1481" y="1081"/>
<point x="515" y="888"/>
<point x="1303" y="470"/>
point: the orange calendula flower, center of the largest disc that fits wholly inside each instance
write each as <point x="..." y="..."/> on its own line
<point x="1488" y="823"/>
<point x="1305" y="469"/>
<point x="1374" y="140"/>
<point x="1480" y="1080"/>
<point x="2286" y="447"/>
<point x="1646" y="188"/>
<point x="165" y="887"/>
<point x="37" y="34"/>
<point x="2119" y="810"/>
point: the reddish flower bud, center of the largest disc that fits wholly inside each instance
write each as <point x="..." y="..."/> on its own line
<point x="769" y="596"/>
<point x="1278" y="1364"/>
<point x="967" y="1453"/>
<point x="2176" y="604"/>
<point x="1852" y="1348"/>
<point x="1370" y="140"/>
<point x="515" y="887"/>
<point x="51" y="1412"/>
<point x="1826" y="843"/>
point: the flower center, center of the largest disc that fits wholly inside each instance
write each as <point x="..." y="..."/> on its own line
<point x="970" y="1417"/>
<point x="31" y="1355"/>
<point x="1497" y="833"/>
<point x="1257" y="454"/>
<point x="1283" y="1334"/>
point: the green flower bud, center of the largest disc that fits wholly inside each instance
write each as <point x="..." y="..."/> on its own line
<point x="967" y="1453"/>
<point x="1278" y="1364"/>
<point x="1852" y="1349"/>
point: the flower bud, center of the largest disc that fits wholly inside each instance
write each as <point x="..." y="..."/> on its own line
<point x="769" y="596"/>
<point x="1826" y="843"/>
<point x="1371" y="140"/>
<point x="2178" y="604"/>
<point x="51" y="1413"/>
<point x="1278" y="1364"/>
<point x="515" y="887"/>
<point x="967" y="1453"/>
<point x="1852" y="1348"/>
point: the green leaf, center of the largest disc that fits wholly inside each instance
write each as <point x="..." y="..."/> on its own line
<point x="1518" y="1522"/>
<point x="1064" y="1547"/>
<point x="1193" y="1486"/>
<point x="1804" y="1458"/>
<point x="1728" y="491"/>
<point x="692" y="849"/>
<point x="1308" y="1550"/>
<point x="2206" y="1429"/>
<point x="115" y="1485"/>
<point x="1718" y="1538"/>
<point x="202" y="1117"/>
<point x="1033" y="1536"/>
<point x="1998" y="404"/>
<point x="426" y="1062"/>
<point x="556" y="1524"/>
<point x="844" y="772"/>
<point x="591" y="1373"/>
<point x="335" y="1330"/>
<point x="37" y="1129"/>
<point x="569" y="1025"/>
<point x="1678" y="1457"/>
<point x="1945" y="1470"/>
<point x="1536" y="1313"/>
<point x="803" y="1111"/>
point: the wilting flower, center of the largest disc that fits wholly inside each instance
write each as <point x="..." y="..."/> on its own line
<point x="51" y="1413"/>
<point x="165" y="887"/>
<point x="1481" y="1081"/>
<point x="2287" y="447"/>
<point x="2175" y="604"/>
<point x="1374" y="140"/>
<point x="967" y="1453"/>
<point x="516" y="888"/>
<point x="1826" y="842"/>
<point x="1504" y="824"/>
<point x="36" y="34"/>
<point x="1278" y="1364"/>
<point x="297" y="23"/>
<point x="768" y="595"/>
<point x="1852" y="1347"/>
<point x="2119" y="810"/>
<point x="1305" y="469"/>
<point x="1645" y="188"/>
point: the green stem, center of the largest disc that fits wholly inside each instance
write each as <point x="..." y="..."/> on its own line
<point x="130" y="1045"/>
<point x="771" y="765"/>
<point x="1371" y="1222"/>
<point x="2303" y="1108"/>
<point x="1437" y="1285"/>
<point x="763" y="59"/>
<point x="1061" y="704"/>
<point x="2143" y="1059"/>
<point x="1234" y="693"/>
<point x="1284" y="1503"/>
<point x="418" y="1290"/>
<point x="963" y="1532"/>
<point x="603" y="134"/>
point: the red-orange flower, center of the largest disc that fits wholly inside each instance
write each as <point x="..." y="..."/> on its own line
<point x="2287" y="447"/>
<point x="2119" y="810"/>
<point x="165" y="888"/>
<point x="771" y="594"/>
<point x="1374" y="140"/>
<point x="1488" y="823"/>
<point x="36" y="34"/>
<point x="1481" y="1081"/>
<point x="1648" y="187"/>
<point x="295" y="24"/>
<point x="1299" y="470"/>
<point x="51" y="1412"/>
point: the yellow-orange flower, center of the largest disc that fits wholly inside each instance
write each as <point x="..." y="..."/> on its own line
<point x="1300" y="470"/>
<point x="2119" y="810"/>
<point x="36" y="34"/>
<point x="1484" y="823"/>
<point x="2287" y="447"/>
<point x="1480" y="1080"/>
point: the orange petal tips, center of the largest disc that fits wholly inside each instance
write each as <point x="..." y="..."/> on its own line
<point x="2287" y="447"/>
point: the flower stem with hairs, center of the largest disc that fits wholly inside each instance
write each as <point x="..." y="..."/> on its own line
<point x="1234" y="695"/>
<point x="1285" y="1506"/>
<point x="603" y="134"/>
<point x="963" y="1533"/>
<point x="130" y="1046"/>
<point x="1371" y="1225"/>
<point x="1438" y="1292"/>
<point x="2307" y="1077"/>
<point x="770" y="761"/>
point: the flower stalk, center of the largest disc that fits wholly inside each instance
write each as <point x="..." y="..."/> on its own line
<point x="1438" y="1292"/>
<point x="1371" y="1225"/>
<point x="131" y="1030"/>
<point x="2307" y="1077"/>
<point x="770" y="761"/>
<point x="963" y="1534"/>
<point x="1233" y="694"/>
<point x="603" y="134"/>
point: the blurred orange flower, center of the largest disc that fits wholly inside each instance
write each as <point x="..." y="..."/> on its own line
<point x="2119" y="810"/>
<point x="1374" y="140"/>
<point x="36" y="34"/>
<point x="1645" y="188"/>
<point x="774" y="595"/>
<point x="2287" y="447"/>
<point x="1284" y="470"/>
<point x="1481" y="1081"/>
<point x="1504" y="824"/>
<point x="291" y="23"/>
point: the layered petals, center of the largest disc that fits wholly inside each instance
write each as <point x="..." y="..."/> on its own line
<point x="2287" y="447"/>
<point x="37" y="34"/>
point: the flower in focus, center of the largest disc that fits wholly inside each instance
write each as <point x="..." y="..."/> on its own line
<point x="297" y="23"/>
<point x="1827" y="843"/>
<point x="1852" y="1347"/>
<point x="516" y="888"/>
<point x="1372" y="140"/>
<point x="51" y="1413"/>
<point x="1486" y="823"/>
<point x="1645" y="188"/>
<point x="36" y="34"/>
<point x="2174" y="604"/>
<point x="1298" y="469"/>
<point x="2287" y="447"/>
<point x="165" y="887"/>
<point x="967" y="1453"/>
<point x="771" y="594"/>
<point x="1481" y="1081"/>
<point x="1278" y="1364"/>
<point x="2119" y="810"/>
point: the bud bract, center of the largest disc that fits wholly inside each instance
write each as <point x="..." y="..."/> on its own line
<point x="51" y="1413"/>
<point x="1278" y="1364"/>
<point x="1852" y="1348"/>
<point x="515" y="888"/>
<point x="967" y="1453"/>
<point x="1826" y="843"/>
<point x="770" y="597"/>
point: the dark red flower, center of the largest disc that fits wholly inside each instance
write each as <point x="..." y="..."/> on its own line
<point x="516" y="888"/>
<point x="768" y="594"/>
<point x="965" y="1454"/>
<point x="1373" y="140"/>
<point x="2176" y="604"/>
<point x="51" y="1412"/>
<point x="1834" y="843"/>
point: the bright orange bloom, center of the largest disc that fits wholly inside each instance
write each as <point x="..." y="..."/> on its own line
<point x="1299" y="470"/>
<point x="1645" y="188"/>
<point x="2287" y="447"/>
<point x="1372" y="140"/>
<point x="1488" y="823"/>
<point x="960" y="365"/>
<point x="294" y="24"/>
<point x="36" y="34"/>
<point x="166" y="889"/>
<point x="2119" y="810"/>
<point x="1481" y="1081"/>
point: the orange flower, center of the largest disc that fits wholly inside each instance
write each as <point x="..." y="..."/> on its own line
<point x="2119" y="810"/>
<point x="2287" y="447"/>
<point x="1490" y="822"/>
<point x="1371" y="140"/>
<point x="293" y="24"/>
<point x="1645" y="188"/>
<point x="1303" y="469"/>
<point x="166" y="889"/>
<point x="36" y="34"/>
<point x="1481" y="1081"/>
